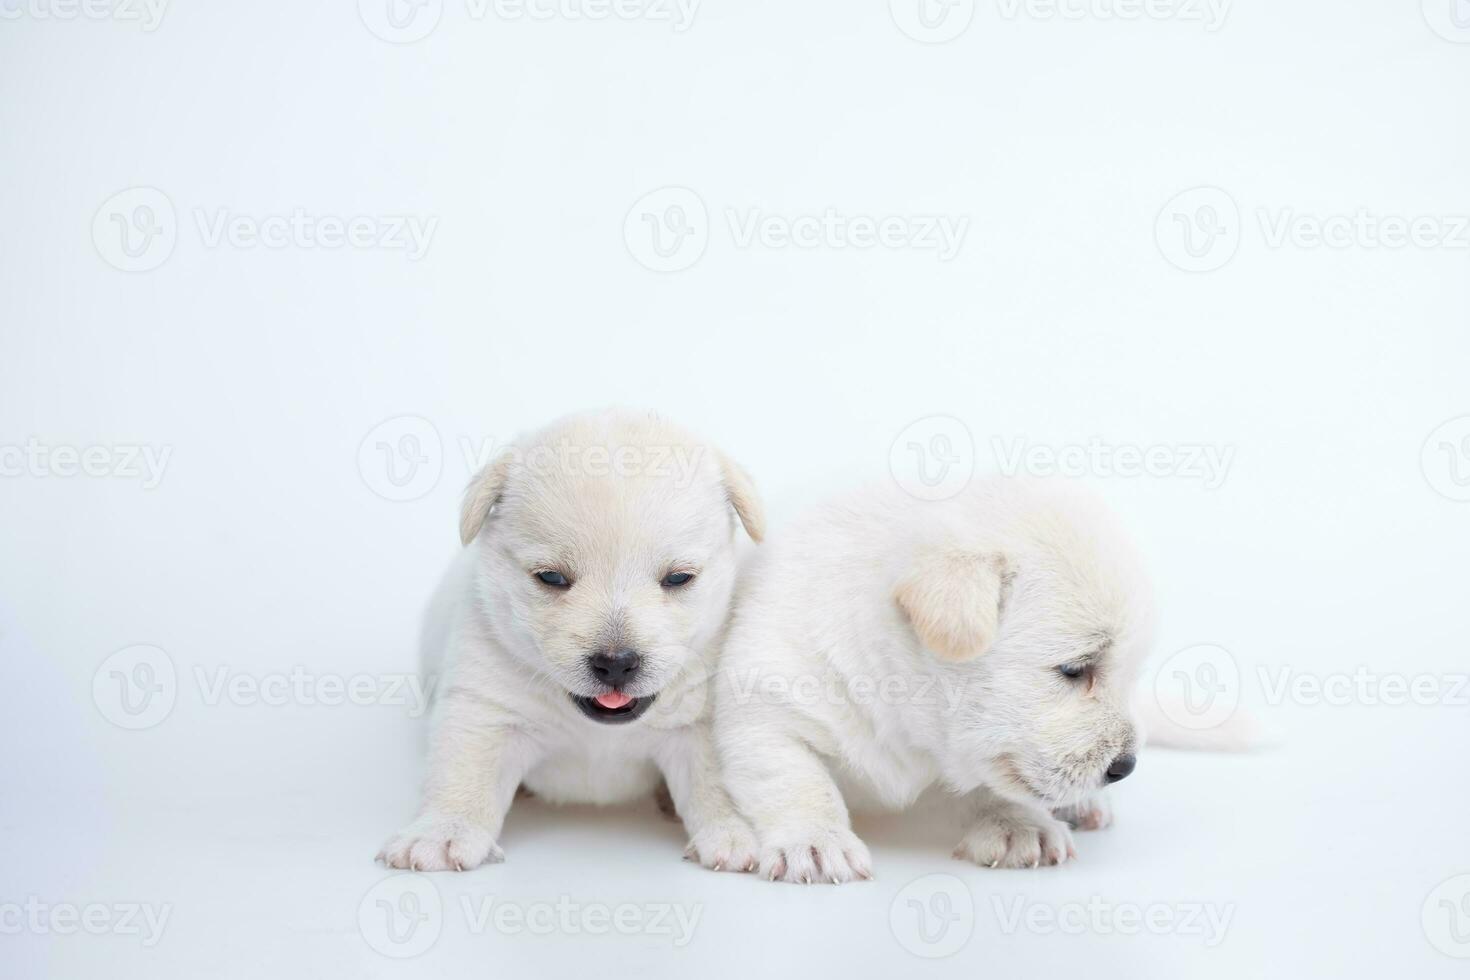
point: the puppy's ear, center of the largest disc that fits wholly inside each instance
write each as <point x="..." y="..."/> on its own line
<point x="481" y="495"/>
<point x="740" y="490"/>
<point x="952" y="598"/>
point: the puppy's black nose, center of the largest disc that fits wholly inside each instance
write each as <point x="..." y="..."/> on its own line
<point x="1121" y="767"/>
<point x="616" y="667"/>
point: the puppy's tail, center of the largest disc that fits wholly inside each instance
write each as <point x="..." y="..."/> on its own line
<point x="1162" y="728"/>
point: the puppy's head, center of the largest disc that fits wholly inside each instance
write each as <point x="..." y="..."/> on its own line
<point x="1040" y="637"/>
<point x="606" y="548"/>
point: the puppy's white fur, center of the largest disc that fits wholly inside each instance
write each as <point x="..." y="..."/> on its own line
<point x="887" y="644"/>
<point x="615" y="501"/>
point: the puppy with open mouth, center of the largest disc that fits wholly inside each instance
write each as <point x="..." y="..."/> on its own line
<point x="986" y="645"/>
<point x="575" y="633"/>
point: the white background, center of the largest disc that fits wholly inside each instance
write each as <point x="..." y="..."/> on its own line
<point x="1335" y="541"/>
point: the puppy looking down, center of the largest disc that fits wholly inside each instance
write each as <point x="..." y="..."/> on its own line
<point x="985" y="644"/>
<point x="575" y="632"/>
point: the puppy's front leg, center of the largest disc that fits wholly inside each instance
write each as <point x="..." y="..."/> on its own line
<point x="719" y="838"/>
<point x="1005" y="834"/>
<point x="476" y="761"/>
<point x="784" y="788"/>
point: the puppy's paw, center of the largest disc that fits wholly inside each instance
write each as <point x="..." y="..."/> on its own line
<point x="1094" y="813"/>
<point x="1011" y="837"/>
<point x="439" y="843"/>
<point x="726" y="846"/>
<point x="830" y="855"/>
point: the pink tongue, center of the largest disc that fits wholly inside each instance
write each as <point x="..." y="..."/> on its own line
<point x="613" y="699"/>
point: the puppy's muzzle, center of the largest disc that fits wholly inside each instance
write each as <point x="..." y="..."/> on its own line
<point x="616" y="669"/>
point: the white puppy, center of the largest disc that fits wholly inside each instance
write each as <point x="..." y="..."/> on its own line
<point x="576" y="633"/>
<point x="985" y="644"/>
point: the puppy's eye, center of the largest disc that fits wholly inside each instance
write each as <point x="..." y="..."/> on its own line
<point x="555" y="579"/>
<point x="675" y="579"/>
<point x="1072" y="671"/>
